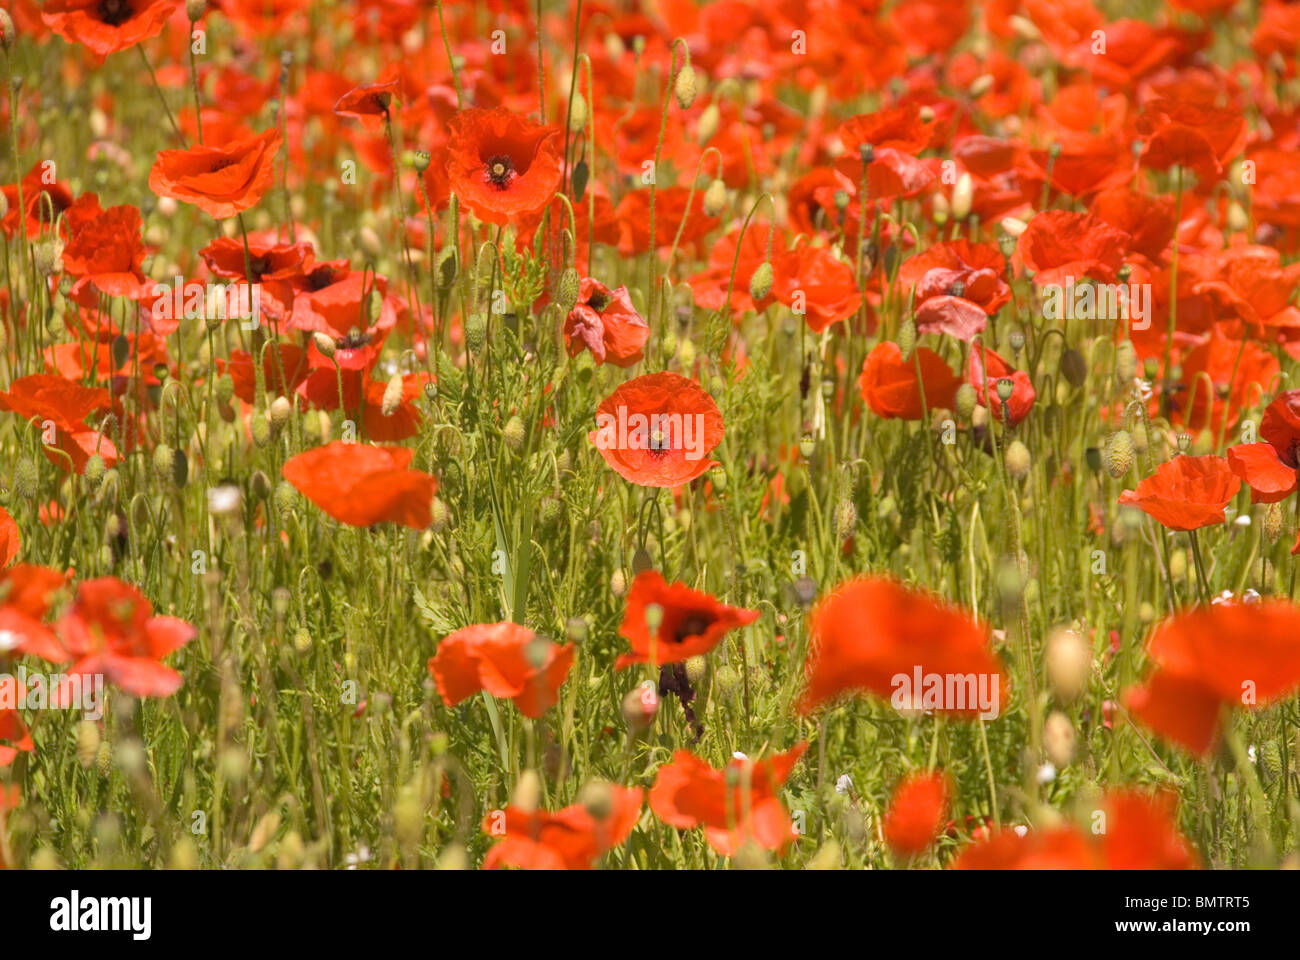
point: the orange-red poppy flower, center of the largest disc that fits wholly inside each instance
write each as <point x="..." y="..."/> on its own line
<point x="1200" y="136"/>
<point x="1280" y="426"/>
<point x="14" y="735"/>
<point x="507" y="660"/>
<point x="1231" y="653"/>
<point x="658" y="430"/>
<point x="106" y="26"/>
<point x="1140" y="833"/>
<point x="692" y="622"/>
<point x="25" y="595"/>
<point x="1186" y="493"/>
<point x="983" y="371"/>
<point x="43" y="397"/>
<point x="605" y="322"/>
<point x="502" y="166"/>
<point x="815" y="284"/>
<point x="11" y="539"/>
<point x="876" y="635"/>
<point x="736" y="805"/>
<point x="1061" y="247"/>
<point x="106" y="251"/>
<point x="568" y="839"/>
<point x="368" y="101"/>
<point x="220" y="181"/>
<point x="110" y="629"/>
<point x="890" y="386"/>
<point x="361" y="485"/>
<point x="1259" y="466"/>
<point x="916" y="812"/>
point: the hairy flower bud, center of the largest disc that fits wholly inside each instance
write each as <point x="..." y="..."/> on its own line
<point x="685" y="87"/>
<point x="715" y="198"/>
<point x="760" y="283"/>
<point x="1018" y="460"/>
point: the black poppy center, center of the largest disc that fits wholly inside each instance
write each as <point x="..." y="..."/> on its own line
<point x="114" y="12"/>
<point x="258" y="266"/>
<point x="691" y="625"/>
<point x="598" y="301"/>
<point x="355" y="339"/>
<point x="320" y="279"/>
<point x="500" y="171"/>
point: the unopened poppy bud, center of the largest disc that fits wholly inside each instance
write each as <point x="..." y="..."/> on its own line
<point x="1068" y="661"/>
<point x="369" y="243"/>
<point x="695" y="668"/>
<point x="260" y="427"/>
<point x="715" y="198"/>
<point x="260" y="484"/>
<point x="162" y="461"/>
<point x="513" y="434"/>
<point x="47" y="256"/>
<point x="194" y="9"/>
<point x="95" y="470"/>
<point x="926" y="114"/>
<point x="476" y="332"/>
<point x="325" y="344"/>
<point x="578" y="113"/>
<point x="708" y="125"/>
<point x="392" y="395"/>
<point x="965" y="401"/>
<point x="570" y="286"/>
<point x="1118" y="453"/>
<point x="279" y="413"/>
<point x="760" y="283"/>
<point x="597" y="799"/>
<point x="685" y="87"/>
<point x="180" y="472"/>
<point x="907" y="338"/>
<point x="726" y="680"/>
<point x="846" y="520"/>
<point x="866" y="153"/>
<point x="1058" y="738"/>
<point x="1018" y="460"/>
<point x="981" y="85"/>
<point x="1273" y="520"/>
<point x="641" y="561"/>
<point x="88" y="741"/>
<point x="6" y="33"/>
<point x="639" y="708"/>
<point x="963" y="195"/>
<point x="618" y="584"/>
<point x="440" y="516"/>
<point x="1125" y="362"/>
<point x="4" y="205"/>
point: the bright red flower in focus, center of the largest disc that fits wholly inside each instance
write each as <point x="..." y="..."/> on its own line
<point x="916" y="812"/>
<point x="569" y="839"/>
<point x="735" y="805"/>
<point x="605" y="322"/>
<point x="110" y="629"/>
<point x="871" y="630"/>
<point x="362" y="485"/>
<point x="220" y="181"/>
<point x="1258" y="465"/>
<point x="692" y="621"/>
<point x="502" y="166"/>
<point x="507" y="660"/>
<point x="1186" y="493"/>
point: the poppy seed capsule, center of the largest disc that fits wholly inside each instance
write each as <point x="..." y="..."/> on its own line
<point x="715" y="198"/>
<point x="194" y="9"/>
<point x="807" y="446"/>
<point x="95" y="470"/>
<point x="162" y="461"/>
<point x="1018" y="460"/>
<point x="420" y="160"/>
<point x="760" y="283"/>
<point x="1118" y="454"/>
<point x="1125" y="362"/>
<point x="476" y="332"/>
<point x="1004" y="388"/>
<point x="685" y="87"/>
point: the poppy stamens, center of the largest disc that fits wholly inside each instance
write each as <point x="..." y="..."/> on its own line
<point x="500" y="171"/>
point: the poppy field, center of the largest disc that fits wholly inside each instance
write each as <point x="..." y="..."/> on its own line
<point x="649" y="434"/>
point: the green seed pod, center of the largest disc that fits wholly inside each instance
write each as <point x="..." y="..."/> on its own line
<point x="260" y="484"/>
<point x="760" y="284"/>
<point x="807" y="446"/>
<point x="1018" y="460"/>
<point x="95" y="470"/>
<point x="846" y="520"/>
<point x="1073" y="367"/>
<point x="513" y="434"/>
<point x="180" y="469"/>
<point x="420" y="160"/>
<point x="194" y="9"/>
<point x="121" y="351"/>
<point x="718" y="477"/>
<point x="907" y="338"/>
<point x="1118" y="453"/>
<point x="686" y="354"/>
<point x="641" y="561"/>
<point x="726" y="680"/>
<point x="695" y="668"/>
<point x="225" y="388"/>
<point x="1125" y="363"/>
<point x="302" y="641"/>
<point x="163" y="457"/>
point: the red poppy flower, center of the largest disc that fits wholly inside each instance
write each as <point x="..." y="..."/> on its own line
<point x="569" y="839"/>
<point x="1200" y="136"/>
<point x="279" y="379"/>
<point x="959" y="268"/>
<point x="916" y="812"/>
<point x="14" y="735"/>
<point x="1258" y="465"/>
<point x="501" y="165"/>
<point x="1186" y="493"/>
<point x="871" y="631"/>
<point x="692" y="621"/>
<point x="507" y="660"/>
<point x="1147" y="219"/>
<point x="1231" y="653"/>
<point x="1280" y="426"/>
<point x="361" y="485"/>
<point x="605" y="322"/>
<point x="11" y="539"/>
<point x="220" y="181"/>
<point x="735" y="805"/>
<point x="815" y="283"/>
<point x="110" y="629"/>
<point x="1239" y="372"/>
<point x="983" y="372"/>
<point x="1141" y="833"/>
<point x="368" y="102"/>
<point x="107" y="252"/>
<point x="657" y="430"/>
<point x="106" y="26"/>
<point x="672" y="215"/>
<point x="890" y="386"/>
<point x="66" y="404"/>
<point x="1060" y="246"/>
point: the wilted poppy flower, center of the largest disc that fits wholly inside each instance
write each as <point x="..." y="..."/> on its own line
<point x="657" y="430"/>
<point x="361" y="485"/>
<point x="1233" y="654"/>
<point x="872" y="634"/>
<point x="1258" y="465"/>
<point x="983" y="371"/>
<point x="1061" y="247"/>
<point x="1186" y="493"/>
<point x="890" y="386"/>
<point x="501" y="165"/>
<point x="605" y="322"/>
<point x="916" y="812"/>
<point x="966" y="280"/>
<point x="220" y="181"/>
<point x="507" y="660"/>
<point x="692" y="621"/>
<point x="106" y="26"/>
<point x="1140" y="833"/>
<point x="110" y="629"/>
<point x="1280" y="426"/>
<point x="736" y="805"/>
<point x="569" y="839"/>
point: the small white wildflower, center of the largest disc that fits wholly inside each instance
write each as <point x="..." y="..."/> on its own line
<point x="1020" y="829"/>
<point x="1224" y="597"/>
<point x="1046" y="773"/>
<point x="844" y="784"/>
<point x="224" y="500"/>
<point x="9" y="640"/>
<point x="1250" y="596"/>
<point x="1142" y="388"/>
<point x="1243" y="520"/>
